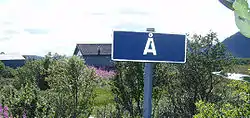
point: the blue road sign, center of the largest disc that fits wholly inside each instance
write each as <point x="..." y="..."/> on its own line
<point x="148" y="47"/>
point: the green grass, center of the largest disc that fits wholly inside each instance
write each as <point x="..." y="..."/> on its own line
<point x="104" y="96"/>
<point x="243" y="69"/>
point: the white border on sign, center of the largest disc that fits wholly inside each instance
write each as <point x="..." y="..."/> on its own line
<point x="155" y="61"/>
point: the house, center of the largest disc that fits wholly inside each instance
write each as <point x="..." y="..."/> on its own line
<point x="97" y="55"/>
<point x="13" y="61"/>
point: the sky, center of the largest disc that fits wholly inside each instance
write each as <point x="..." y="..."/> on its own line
<point x="36" y="27"/>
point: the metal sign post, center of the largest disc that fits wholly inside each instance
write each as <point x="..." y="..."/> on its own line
<point x="148" y="47"/>
<point x="148" y="76"/>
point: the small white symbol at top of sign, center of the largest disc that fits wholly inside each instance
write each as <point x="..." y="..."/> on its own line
<point x="151" y="43"/>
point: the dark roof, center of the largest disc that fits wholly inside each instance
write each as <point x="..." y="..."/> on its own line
<point x="92" y="49"/>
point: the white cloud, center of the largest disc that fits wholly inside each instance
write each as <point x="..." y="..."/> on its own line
<point x="82" y="21"/>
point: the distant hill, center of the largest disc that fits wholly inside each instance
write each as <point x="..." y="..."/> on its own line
<point x="238" y="45"/>
<point x="32" y="57"/>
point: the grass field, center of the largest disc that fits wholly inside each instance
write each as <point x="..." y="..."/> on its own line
<point x="104" y="101"/>
<point x="104" y="96"/>
<point x="243" y="69"/>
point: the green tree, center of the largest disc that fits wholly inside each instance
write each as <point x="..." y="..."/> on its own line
<point x="38" y="70"/>
<point x="127" y="87"/>
<point x="71" y="93"/>
<point x="235" y="102"/>
<point x="31" y="71"/>
<point x="1" y="67"/>
<point x="6" y="71"/>
<point x="164" y="74"/>
<point x="25" y="99"/>
<point x="72" y="84"/>
<point x="193" y="81"/>
<point x="6" y="75"/>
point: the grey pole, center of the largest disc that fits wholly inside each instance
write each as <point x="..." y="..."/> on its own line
<point x="148" y="76"/>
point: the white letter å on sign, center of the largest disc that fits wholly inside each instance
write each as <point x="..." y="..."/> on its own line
<point x="150" y="42"/>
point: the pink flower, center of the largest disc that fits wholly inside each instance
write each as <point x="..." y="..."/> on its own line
<point x="5" y="112"/>
<point x="24" y="114"/>
<point x="1" y="111"/>
<point x="103" y="73"/>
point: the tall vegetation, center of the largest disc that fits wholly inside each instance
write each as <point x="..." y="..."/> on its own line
<point x="127" y="87"/>
<point x="57" y="86"/>
<point x="68" y="93"/>
<point x="193" y="81"/>
<point x="72" y="85"/>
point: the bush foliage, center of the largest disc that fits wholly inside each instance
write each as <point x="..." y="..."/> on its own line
<point x="58" y="86"/>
